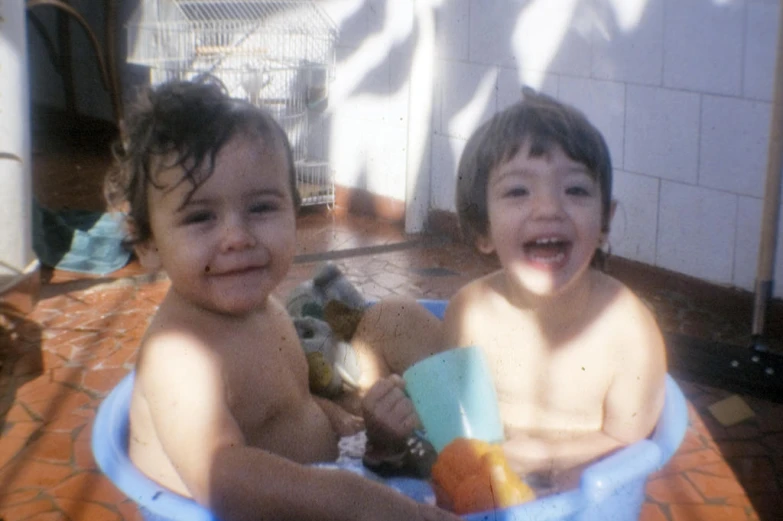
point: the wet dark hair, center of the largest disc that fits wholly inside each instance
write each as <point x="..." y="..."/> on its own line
<point x="190" y="121"/>
<point x="545" y="122"/>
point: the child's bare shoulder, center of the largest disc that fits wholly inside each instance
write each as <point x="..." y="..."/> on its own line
<point x="472" y="309"/>
<point x="478" y="293"/>
<point x="632" y="321"/>
<point x="622" y="302"/>
<point x="174" y="332"/>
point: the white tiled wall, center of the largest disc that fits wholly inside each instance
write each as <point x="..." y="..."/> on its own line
<point x="703" y="44"/>
<point x="634" y="58"/>
<point x="635" y="222"/>
<point x="680" y="89"/>
<point x="733" y="144"/>
<point x="662" y="133"/>
<point x="759" y="60"/>
<point x="696" y="231"/>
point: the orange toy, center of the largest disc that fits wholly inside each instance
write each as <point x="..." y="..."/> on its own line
<point x="474" y="476"/>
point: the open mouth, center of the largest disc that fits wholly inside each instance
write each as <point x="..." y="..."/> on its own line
<point x="547" y="252"/>
<point x="237" y="271"/>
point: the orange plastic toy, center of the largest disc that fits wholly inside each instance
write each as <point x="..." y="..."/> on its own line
<point x="474" y="476"/>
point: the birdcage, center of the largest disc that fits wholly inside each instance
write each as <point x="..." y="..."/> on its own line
<point x="276" y="54"/>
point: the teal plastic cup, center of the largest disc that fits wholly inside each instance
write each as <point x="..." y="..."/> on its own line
<point x="454" y="396"/>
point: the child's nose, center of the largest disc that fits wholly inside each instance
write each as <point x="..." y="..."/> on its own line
<point x="548" y="204"/>
<point x="237" y="235"/>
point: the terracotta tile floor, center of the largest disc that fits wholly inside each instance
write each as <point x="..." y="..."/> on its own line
<point x="62" y="359"/>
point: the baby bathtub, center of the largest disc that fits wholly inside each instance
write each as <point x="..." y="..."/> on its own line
<point x="611" y="489"/>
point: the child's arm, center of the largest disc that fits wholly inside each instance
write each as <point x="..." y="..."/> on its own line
<point x="256" y="485"/>
<point x="182" y="382"/>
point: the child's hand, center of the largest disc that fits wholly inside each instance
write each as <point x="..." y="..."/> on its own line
<point x="343" y="422"/>
<point x="388" y="412"/>
<point x="347" y="424"/>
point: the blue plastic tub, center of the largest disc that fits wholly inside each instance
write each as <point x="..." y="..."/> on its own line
<point x="611" y="489"/>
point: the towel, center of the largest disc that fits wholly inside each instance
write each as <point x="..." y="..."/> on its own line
<point x="79" y="240"/>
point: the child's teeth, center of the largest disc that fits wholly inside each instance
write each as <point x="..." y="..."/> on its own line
<point x="550" y="260"/>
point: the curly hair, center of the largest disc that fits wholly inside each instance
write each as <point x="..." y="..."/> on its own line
<point x="545" y="122"/>
<point x="186" y="123"/>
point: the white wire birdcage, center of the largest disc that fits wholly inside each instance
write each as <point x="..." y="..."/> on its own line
<point x="276" y="54"/>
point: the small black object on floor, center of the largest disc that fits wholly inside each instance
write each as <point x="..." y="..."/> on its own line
<point x="749" y="370"/>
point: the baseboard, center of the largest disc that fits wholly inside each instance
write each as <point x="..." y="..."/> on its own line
<point x="361" y="202"/>
<point x="19" y="294"/>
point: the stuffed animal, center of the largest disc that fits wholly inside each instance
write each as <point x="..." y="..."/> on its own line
<point x="326" y="311"/>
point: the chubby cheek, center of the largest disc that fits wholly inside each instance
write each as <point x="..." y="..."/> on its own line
<point x="282" y="239"/>
<point x="505" y="229"/>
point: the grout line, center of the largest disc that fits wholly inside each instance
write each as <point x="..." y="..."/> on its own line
<point x="370" y="250"/>
<point x="90" y="285"/>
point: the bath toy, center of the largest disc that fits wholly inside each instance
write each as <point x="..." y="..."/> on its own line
<point x="474" y="476"/>
<point x="326" y="311"/>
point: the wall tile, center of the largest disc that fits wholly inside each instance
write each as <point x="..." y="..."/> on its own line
<point x="490" y="31"/>
<point x="389" y="145"/>
<point x="661" y="133"/>
<point x="379" y="12"/>
<point x="761" y="32"/>
<point x="351" y="18"/>
<point x="574" y="54"/>
<point x="603" y="102"/>
<point x="510" y="87"/>
<point x="635" y="224"/>
<point x="703" y="46"/>
<point x="400" y="62"/>
<point x="361" y="87"/>
<point x="446" y="152"/>
<point x="635" y="54"/>
<point x="733" y="145"/>
<point x="696" y="230"/>
<point x="538" y="37"/>
<point x="452" y="22"/>
<point x="467" y="97"/>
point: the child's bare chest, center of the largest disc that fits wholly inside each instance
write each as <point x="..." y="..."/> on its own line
<point x="546" y="386"/>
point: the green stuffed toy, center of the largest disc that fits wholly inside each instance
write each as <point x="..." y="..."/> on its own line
<point x="326" y="311"/>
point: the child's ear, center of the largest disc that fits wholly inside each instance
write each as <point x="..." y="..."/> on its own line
<point x="484" y="244"/>
<point x="147" y="252"/>
<point x="607" y="225"/>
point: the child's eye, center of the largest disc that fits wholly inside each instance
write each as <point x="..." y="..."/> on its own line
<point x="579" y="191"/>
<point x="197" y="217"/>
<point x="516" y="191"/>
<point x="263" y="207"/>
